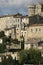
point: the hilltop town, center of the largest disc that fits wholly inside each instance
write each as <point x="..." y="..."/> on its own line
<point x="18" y="32"/>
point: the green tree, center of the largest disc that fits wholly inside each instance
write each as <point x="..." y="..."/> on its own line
<point x="22" y="56"/>
<point x="29" y="56"/>
<point x="41" y="61"/>
<point x="34" y="56"/>
<point x="22" y="42"/>
<point x="9" y="60"/>
<point x="7" y="40"/>
<point x="2" y="48"/>
<point x="4" y="61"/>
<point x="2" y="34"/>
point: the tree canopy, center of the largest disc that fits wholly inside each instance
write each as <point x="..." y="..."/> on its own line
<point x="29" y="56"/>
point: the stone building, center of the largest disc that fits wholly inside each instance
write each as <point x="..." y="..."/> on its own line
<point x="35" y="32"/>
<point x="36" y="9"/>
<point x="17" y="21"/>
<point x="31" y="10"/>
<point x="10" y="24"/>
<point x="35" y="29"/>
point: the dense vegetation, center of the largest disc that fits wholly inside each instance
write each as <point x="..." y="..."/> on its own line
<point x="9" y="61"/>
<point x="31" y="56"/>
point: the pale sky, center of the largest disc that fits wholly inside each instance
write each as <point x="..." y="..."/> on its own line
<point x="14" y="6"/>
<point x="17" y="2"/>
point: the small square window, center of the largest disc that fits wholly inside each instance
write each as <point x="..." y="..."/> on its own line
<point x="17" y="29"/>
<point x="18" y="25"/>
<point x="39" y="29"/>
<point x="22" y="33"/>
<point x="25" y="32"/>
<point x="18" y="20"/>
<point x="36" y="29"/>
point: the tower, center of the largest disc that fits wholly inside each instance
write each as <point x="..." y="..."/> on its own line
<point x="31" y="10"/>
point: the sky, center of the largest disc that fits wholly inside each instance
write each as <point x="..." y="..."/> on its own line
<point x="15" y="6"/>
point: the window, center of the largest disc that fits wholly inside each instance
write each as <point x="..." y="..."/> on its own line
<point x="17" y="29"/>
<point x="23" y="18"/>
<point x="36" y="29"/>
<point x="22" y="33"/>
<point x="31" y="30"/>
<point x="18" y="20"/>
<point x="25" y="32"/>
<point x="42" y="8"/>
<point x="18" y="25"/>
<point x="32" y="45"/>
<point x="39" y="29"/>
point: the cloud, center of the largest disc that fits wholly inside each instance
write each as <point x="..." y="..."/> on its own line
<point x="10" y="2"/>
<point x="17" y="2"/>
<point x="15" y="6"/>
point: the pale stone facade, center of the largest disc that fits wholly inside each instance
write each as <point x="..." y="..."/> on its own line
<point x="36" y="9"/>
<point x="27" y="46"/>
<point x="34" y="36"/>
<point x="13" y="21"/>
<point x="25" y="20"/>
<point x="10" y="21"/>
<point x="35" y="31"/>
<point x="31" y="10"/>
<point x="2" y="23"/>
<point x="25" y="34"/>
<point x="5" y="22"/>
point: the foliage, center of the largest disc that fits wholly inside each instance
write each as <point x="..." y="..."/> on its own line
<point x="4" y="61"/>
<point x="6" y="40"/>
<point x="41" y="61"/>
<point x="34" y="56"/>
<point x="9" y="61"/>
<point x="30" y="56"/>
<point x="2" y="48"/>
<point x="22" y="44"/>
<point x="22" y="56"/>
<point x="2" y="34"/>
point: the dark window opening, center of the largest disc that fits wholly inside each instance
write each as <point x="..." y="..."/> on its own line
<point x="31" y="30"/>
<point x="42" y="7"/>
<point x="18" y="25"/>
<point x="36" y="29"/>
<point x="39" y="29"/>
<point x="18" y="20"/>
